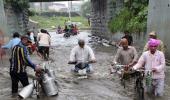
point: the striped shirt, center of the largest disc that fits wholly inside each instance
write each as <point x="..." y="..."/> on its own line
<point x="20" y="59"/>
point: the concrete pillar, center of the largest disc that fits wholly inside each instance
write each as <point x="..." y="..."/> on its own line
<point x="99" y="18"/>
<point x="159" y="21"/>
<point x="102" y="12"/>
<point x="3" y="23"/>
<point x="16" y="21"/>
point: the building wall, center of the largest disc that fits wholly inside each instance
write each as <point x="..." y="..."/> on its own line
<point x="159" y="21"/>
<point x="16" y="22"/>
<point x="102" y="12"/>
<point x="99" y="18"/>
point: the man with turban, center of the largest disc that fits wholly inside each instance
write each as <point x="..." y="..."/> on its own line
<point x="153" y="61"/>
<point x="153" y="35"/>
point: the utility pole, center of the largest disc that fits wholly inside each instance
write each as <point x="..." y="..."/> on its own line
<point x="41" y="7"/>
<point x="69" y="9"/>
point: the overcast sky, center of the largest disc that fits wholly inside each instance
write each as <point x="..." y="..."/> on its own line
<point x="66" y="2"/>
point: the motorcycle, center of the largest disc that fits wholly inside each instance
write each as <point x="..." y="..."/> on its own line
<point x="66" y="34"/>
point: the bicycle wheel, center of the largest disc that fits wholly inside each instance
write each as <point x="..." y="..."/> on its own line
<point x="123" y="82"/>
<point x="123" y="79"/>
<point x="139" y="91"/>
<point x="141" y="94"/>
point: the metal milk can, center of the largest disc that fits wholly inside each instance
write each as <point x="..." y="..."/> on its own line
<point x="51" y="73"/>
<point x="26" y="91"/>
<point x="49" y="85"/>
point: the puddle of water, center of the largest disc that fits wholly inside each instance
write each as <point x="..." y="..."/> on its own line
<point x="58" y="40"/>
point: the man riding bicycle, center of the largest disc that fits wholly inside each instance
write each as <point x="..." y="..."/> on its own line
<point x="82" y="55"/>
<point x="153" y="61"/>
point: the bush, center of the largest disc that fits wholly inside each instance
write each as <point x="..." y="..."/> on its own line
<point x="18" y="5"/>
<point x="48" y="22"/>
<point x="132" y="17"/>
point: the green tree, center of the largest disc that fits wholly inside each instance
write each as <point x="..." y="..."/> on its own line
<point x="18" y="5"/>
<point x="86" y="8"/>
<point x="132" y="17"/>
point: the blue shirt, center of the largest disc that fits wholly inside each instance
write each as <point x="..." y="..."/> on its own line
<point x="12" y="43"/>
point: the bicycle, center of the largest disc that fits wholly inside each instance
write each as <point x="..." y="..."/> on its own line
<point x="45" y="83"/>
<point x="29" y="89"/>
<point x="123" y="72"/>
<point x="139" y="87"/>
<point x="37" y="86"/>
<point x="141" y="77"/>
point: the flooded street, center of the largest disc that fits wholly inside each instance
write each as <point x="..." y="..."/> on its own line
<point x="100" y="86"/>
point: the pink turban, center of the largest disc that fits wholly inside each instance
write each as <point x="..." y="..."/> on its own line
<point x="153" y="42"/>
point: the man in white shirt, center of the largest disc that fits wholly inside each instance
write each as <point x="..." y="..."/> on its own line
<point x="82" y="54"/>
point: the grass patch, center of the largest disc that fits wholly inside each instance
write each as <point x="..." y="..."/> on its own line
<point x="51" y="22"/>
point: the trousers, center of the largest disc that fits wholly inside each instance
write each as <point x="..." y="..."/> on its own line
<point x="16" y="77"/>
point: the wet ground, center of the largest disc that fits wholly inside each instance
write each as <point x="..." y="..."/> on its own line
<point x="100" y="86"/>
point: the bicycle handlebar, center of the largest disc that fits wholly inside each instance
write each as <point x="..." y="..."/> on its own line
<point x="88" y="62"/>
<point x="145" y="71"/>
<point x="72" y="62"/>
<point x="119" y="65"/>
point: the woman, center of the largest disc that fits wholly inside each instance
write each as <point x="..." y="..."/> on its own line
<point x="44" y="43"/>
<point x="32" y="45"/>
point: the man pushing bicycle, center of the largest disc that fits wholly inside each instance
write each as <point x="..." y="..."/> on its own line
<point x="153" y="62"/>
<point x="126" y="55"/>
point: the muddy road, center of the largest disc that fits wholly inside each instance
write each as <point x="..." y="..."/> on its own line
<point x="100" y="86"/>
